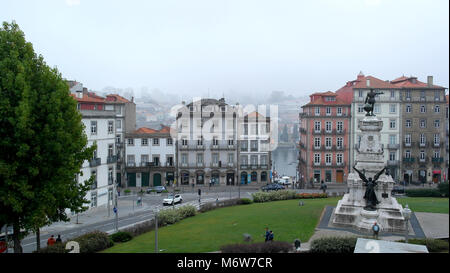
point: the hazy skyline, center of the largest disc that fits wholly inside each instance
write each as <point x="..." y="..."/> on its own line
<point x="223" y="47"/>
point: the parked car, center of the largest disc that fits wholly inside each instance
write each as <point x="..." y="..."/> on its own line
<point x="272" y="187"/>
<point x="285" y="180"/>
<point x="398" y="189"/>
<point x="172" y="198"/>
<point x="157" y="189"/>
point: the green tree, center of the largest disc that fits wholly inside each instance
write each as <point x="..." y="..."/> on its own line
<point x="43" y="144"/>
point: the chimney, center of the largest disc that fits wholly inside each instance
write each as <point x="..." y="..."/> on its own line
<point x="79" y="94"/>
<point x="132" y="99"/>
<point x="368" y="82"/>
<point x="430" y="81"/>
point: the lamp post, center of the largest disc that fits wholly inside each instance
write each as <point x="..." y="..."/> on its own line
<point x="156" y="231"/>
<point x="407" y="215"/>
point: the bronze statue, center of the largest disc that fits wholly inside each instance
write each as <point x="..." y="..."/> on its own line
<point x="370" y="102"/>
<point x="370" y="196"/>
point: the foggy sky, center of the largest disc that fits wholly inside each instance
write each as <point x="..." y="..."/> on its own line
<point x="196" y="47"/>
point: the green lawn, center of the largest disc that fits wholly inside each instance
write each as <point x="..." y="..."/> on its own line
<point x="208" y="231"/>
<point x="425" y="204"/>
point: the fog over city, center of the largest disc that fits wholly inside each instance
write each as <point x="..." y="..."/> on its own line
<point x="243" y="50"/>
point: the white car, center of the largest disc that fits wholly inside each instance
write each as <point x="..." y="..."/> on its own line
<point x="171" y="198"/>
<point x="285" y="180"/>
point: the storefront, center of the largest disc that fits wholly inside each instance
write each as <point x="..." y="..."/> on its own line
<point x="436" y="176"/>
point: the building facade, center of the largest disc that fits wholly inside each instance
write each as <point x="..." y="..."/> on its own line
<point x="324" y="139"/>
<point x="150" y="158"/>
<point x="423" y="133"/>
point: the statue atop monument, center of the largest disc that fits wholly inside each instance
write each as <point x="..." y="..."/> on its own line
<point x="370" y="194"/>
<point x="370" y="102"/>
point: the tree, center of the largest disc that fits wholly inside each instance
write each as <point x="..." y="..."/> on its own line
<point x="43" y="144"/>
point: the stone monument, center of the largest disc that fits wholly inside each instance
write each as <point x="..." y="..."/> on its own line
<point x="369" y="199"/>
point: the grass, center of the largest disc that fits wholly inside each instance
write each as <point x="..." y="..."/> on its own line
<point x="425" y="204"/>
<point x="208" y="231"/>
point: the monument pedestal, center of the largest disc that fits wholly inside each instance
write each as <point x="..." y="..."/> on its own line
<point x="350" y="210"/>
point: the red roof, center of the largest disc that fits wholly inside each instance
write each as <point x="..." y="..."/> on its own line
<point x="145" y="130"/>
<point x="89" y="97"/>
<point x="116" y="98"/>
<point x="318" y="99"/>
<point x="411" y="82"/>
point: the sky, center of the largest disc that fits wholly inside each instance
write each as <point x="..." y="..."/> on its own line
<point x="191" y="47"/>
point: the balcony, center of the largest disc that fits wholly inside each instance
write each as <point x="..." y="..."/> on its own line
<point x="230" y="164"/>
<point x="423" y="144"/>
<point x="95" y="162"/>
<point x="131" y="164"/>
<point x="111" y="159"/>
<point x="392" y="162"/>
<point x="422" y="160"/>
<point x="314" y="132"/>
<point x="340" y="148"/>
<point x="244" y="149"/>
<point x="407" y="144"/>
<point x="329" y="132"/>
<point x="340" y="132"/>
<point x="200" y="164"/>
<point x="437" y="159"/>
<point x="436" y="144"/>
<point x="317" y="148"/>
<point x="169" y="164"/>
<point x="393" y="146"/>
<point x="408" y="159"/>
<point x="215" y="165"/>
<point x="244" y="166"/>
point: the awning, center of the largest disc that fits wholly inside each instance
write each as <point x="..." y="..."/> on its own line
<point x="437" y="172"/>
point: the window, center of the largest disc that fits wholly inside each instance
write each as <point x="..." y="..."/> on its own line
<point x="244" y="160"/>
<point x="230" y="142"/>
<point x="156" y="160"/>
<point x="118" y="124"/>
<point x="328" y="126"/>
<point x="422" y="154"/>
<point x="376" y="108"/>
<point x="144" y="160"/>
<point x="437" y="123"/>
<point x="94" y="185"/>
<point x="110" y="149"/>
<point x="169" y="141"/>
<point x="408" y="108"/>
<point x="339" y="158"/>
<point x="131" y="141"/>
<point x="156" y="141"/>
<point x="339" y="142"/>
<point x="263" y="159"/>
<point x="254" y="145"/>
<point x="392" y="156"/>
<point x="93" y="127"/>
<point x="317" y="126"/>
<point x="254" y="160"/>
<point x="316" y="158"/>
<point x="110" y="127"/>
<point x="436" y="139"/>
<point x="130" y="160"/>
<point x="392" y="124"/>
<point x="392" y="139"/>
<point x="317" y="111"/>
<point x="215" y="141"/>
<point x="339" y="126"/>
<point x="408" y="95"/>
<point x="392" y="108"/>
<point x="328" y="111"/>
<point x="339" y="111"/>
<point x="437" y="154"/>
<point x="408" y="123"/>
<point x="422" y="138"/>
<point x="118" y="138"/>
<point x="184" y="142"/>
<point x="317" y="142"/>
<point x="408" y="154"/>
<point x="230" y="158"/>
<point x="422" y="95"/>
<point x="215" y="158"/>
<point x="360" y="108"/>
<point x="423" y="123"/>
<point x="184" y="158"/>
<point x="423" y="109"/>
<point x="408" y="139"/>
<point x="328" y="159"/>
<point x="437" y="108"/>
<point x="93" y="199"/>
<point x="200" y="158"/>
<point x="437" y="96"/>
<point x="328" y="142"/>
<point x="360" y="93"/>
<point x="392" y="94"/>
<point x="144" y="142"/>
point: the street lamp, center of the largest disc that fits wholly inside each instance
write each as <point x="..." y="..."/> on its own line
<point x="407" y="215"/>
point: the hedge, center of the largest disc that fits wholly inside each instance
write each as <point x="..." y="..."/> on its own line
<point x="310" y="195"/>
<point x="333" y="245"/>
<point x="89" y="243"/>
<point x="260" y="197"/>
<point x="423" y="193"/>
<point x="223" y="203"/>
<point x="261" y="247"/>
<point x="443" y="189"/>
<point x="433" y="245"/>
<point x="121" y="236"/>
<point x="246" y="201"/>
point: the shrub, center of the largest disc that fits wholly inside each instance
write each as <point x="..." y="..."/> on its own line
<point x="127" y="191"/>
<point x="443" y="189"/>
<point x="121" y="236"/>
<point x="187" y="211"/>
<point x="310" y="195"/>
<point x="423" y="193"/>
<point x="141" y="228"/>
<point x="260" y="197"/>
<point x="168" y="217"/>
<point x="224" y="203"/>
<point x="333" y="245"/>
<point x="246" y="201"/>
<point x="433" y="245"/>
<point x="89" y="243"/>
<point x="262" y="247"/>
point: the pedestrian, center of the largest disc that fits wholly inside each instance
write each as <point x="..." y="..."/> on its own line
<point x="51" y="241"/>
<point x="58" y="240"/>
<point x="267" y="234"/>
<point x="271" y="236"/>
<point x="118" y="191"/>
<point x="323" y="187"/>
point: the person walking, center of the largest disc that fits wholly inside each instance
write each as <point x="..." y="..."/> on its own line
<point x="323" y="187"/>
<point x="51" y="241"/>
<point x="58" y="240"/>
<point x="267" y="235"/>
<point x="271" y="236"/>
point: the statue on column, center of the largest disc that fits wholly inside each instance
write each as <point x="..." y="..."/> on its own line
<point x="370" y="102"/>
<point x="370" y="195"/>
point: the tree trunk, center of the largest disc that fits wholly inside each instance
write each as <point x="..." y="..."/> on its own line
<point x="38" y="239"/>
<point x="16" y="238"/>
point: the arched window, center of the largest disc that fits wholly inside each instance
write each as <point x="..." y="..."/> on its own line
<point x="254" y="177"/>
